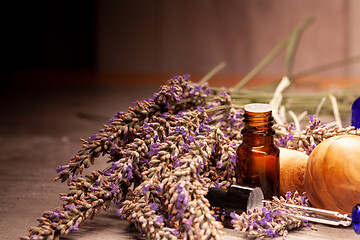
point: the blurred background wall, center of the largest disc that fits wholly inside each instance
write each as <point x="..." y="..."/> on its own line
<point x="94" y="41"/>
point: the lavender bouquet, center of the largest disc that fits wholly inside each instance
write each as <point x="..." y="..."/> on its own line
<point x="166" y="151"/>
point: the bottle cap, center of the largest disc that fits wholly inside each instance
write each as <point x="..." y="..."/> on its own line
<point x="244" y="197"/>
<point x="355" y="113"/>
<point x="258" y="107"/>
<point x="355" y="217"/>
<point x="237" y="198"/>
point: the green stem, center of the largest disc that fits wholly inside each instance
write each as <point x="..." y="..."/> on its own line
<point x="318" y="69"/>
<point x="328" y="66"/>
<point x="265" y="61"/>
<point x="214" y="71"/>
<point x="221" y="107"/>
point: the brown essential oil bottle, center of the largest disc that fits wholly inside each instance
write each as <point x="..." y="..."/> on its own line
<point x="257" y="156"/>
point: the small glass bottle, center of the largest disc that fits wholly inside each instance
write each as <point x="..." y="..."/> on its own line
<point x="257" y="156"/>
<point x="355" y="113"/>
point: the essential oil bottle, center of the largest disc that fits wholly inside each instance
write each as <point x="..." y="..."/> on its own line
<point x="257" y="156"/>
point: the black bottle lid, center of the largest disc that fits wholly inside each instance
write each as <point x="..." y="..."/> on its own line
<point x="237" y="198"/>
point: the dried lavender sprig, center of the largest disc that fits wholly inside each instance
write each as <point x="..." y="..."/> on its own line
<point x="308" y="138"/>
<point x="85" y="198"/>
<point x="273" y="220"/>
<point x="124" y="126"/>
<point x="194" y="123"/>
<point x="180" y="200"/>
<point x="163" y="179"/>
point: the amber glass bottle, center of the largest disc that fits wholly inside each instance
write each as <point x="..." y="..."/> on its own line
<point x="257" y="156"/>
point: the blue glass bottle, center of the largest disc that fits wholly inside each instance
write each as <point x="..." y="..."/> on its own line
<point x="355" y="113"/>
<point x="356" y="218"/>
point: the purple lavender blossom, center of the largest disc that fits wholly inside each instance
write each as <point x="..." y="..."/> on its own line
<point x="130" y="175"/>
<point x="209" y="119"/>
<point x="159" y="188"/>
<point x="154" y="206"/>
<point x="160" y="219"/>
<point x="109" y="172"/>
<point x="284" y="140"/>
<point x="271" y="233"/>
<point x="119" y="212"/>
<point x="165" y="115"/>
<point x="254" y="224"/>
<point x="95" y="136"/>
<point x="181" y="197"/>
<point x="312" y="146"/>
<point x="75" y="227"/>
<point x="303" y="199"/>
<point x="94" y="188"/>
<point x="180" y="130"/>
<point x="61" y="168"/>
<point x="57" y="213"/>
<point x="314" y="122"/>
<point x="224" y="94"/>
<point x="174" y="231"/>
<point x="97" y="182"/>
<point x="177" y="163"/>
<point x="114" y="149"/>
<point x="217" y="184"/>
<point x="172" y="89"/>
<point x="64" y="198"/>
<point x="312" y="118"/>
<point x="185" y="147"/>
<point x="234" y="216"/>
<point x="208" y="92"/>
<point x="147" y="128"/>
<point x="191" y="138"/>
<point x="238" y="115"/>
<point x="145" y="188"/>
<point x="210" y="106"/>
<point x="288" y="195"/>
<point x="188" y="223"/>
<point x="197" y="88"/>
<point x="114" y="187"/>
<point x="154" y="148"/>
<point x="180" y="114"/>
<point x="200" y="109"/>
<point x="204" y="127"/>
<point x="233" y="158"/>
<point x="177" y="129"/>
<point x="68" y="207"/>
<point x="178" y="207"/>
<point x="183" y="131"/>
<point x="233" y="120"/>
<point x="156" y="137"/>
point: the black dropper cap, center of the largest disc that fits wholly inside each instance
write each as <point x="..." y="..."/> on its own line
<point x="237" y="198"/>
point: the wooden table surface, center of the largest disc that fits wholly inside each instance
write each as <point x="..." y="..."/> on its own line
<point x="40" y="129"/>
